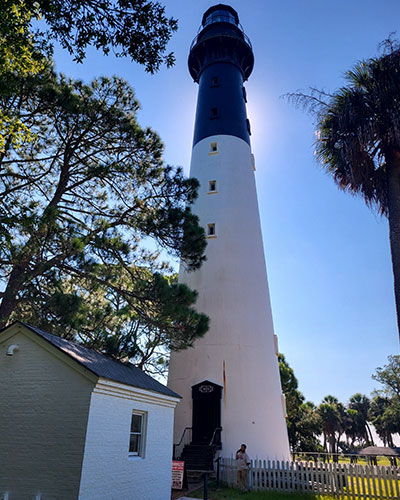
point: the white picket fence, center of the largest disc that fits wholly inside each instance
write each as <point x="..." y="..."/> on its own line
<point x="344" y="481"/>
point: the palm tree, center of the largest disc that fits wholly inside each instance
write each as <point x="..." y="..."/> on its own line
<point x="330" y="414"/>
<point x="360" y="404"/>
<point x="358" y="139"/>
<point x="381" y="417"/>
<point x="351" y="426"/>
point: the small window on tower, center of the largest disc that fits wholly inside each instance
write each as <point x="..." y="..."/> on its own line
<point x="244" y="94"/>
<point x="248" y="126"/>
<point x="211" y="230"/>
<point x="214" y="113"/>
<point x="212" y="186"/>
<point x="213" y="147"/>
<point x="215" y="81"/>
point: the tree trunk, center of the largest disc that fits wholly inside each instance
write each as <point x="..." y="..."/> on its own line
<point x="337" y="442"/>
<point x="10" y="301"/>
<point x="369" y="432"/>
<point x="332" y="443"/>
<point x="392" y="157"/>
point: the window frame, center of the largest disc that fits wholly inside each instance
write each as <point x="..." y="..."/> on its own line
<point x="211" y="184"/>
<point x="213" y="148"/>
<point x="211" y="226"/>
<point x="142" y="433"/>
<point x="248" y="126"/>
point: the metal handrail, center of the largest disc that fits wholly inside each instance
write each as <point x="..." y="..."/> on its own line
<point x="183" y="435"/>
<point x="214" y="434"/>
<point x="176" y="446"/>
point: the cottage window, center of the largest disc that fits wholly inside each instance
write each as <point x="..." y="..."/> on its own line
<point x="137" y="434"/>
<point x="212" y="186"/>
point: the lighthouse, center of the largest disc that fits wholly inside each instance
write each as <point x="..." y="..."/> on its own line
<point x="229" y="380"/>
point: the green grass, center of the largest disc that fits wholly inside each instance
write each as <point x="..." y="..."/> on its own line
<point x="222" y="493"/>
<point x="368" y="485"/>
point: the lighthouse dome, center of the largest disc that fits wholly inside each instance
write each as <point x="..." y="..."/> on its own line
<point x="220" y="38"/>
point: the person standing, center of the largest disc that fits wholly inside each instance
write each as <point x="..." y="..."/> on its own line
<point x="242" y="465"/>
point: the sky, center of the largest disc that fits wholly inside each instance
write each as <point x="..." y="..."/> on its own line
<point x="327" y="253"/>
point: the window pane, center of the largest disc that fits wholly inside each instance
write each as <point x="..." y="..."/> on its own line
<point x="136" y="424"/>
<point x="134" y="444"/>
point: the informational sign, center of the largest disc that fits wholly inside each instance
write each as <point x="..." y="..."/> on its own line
<point x="178" y="468"/>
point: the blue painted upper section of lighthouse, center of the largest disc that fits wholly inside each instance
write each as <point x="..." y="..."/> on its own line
<point x="220" y="60"/>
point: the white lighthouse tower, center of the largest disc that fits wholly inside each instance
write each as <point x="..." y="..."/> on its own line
<point x="230" y="378"/>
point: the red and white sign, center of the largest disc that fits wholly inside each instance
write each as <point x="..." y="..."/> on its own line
<point x="177" y="474"/>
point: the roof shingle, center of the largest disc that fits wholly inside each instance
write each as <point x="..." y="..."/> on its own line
<point x="103" y="365"/>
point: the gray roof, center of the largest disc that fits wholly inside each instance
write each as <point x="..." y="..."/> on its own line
<point x="103" y="365"/>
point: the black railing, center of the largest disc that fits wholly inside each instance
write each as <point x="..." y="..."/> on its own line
<point x="217" y="461"/>
<point x="204" y="36"/>
<point x="186" y="438"/>
<point x="216" y="437"/>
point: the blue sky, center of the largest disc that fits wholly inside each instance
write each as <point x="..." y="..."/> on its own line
<point x="327" y="254"/>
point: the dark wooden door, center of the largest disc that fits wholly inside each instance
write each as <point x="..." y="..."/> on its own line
<point x="206" y="412"/>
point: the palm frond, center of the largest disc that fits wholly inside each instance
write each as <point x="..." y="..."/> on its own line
<point x="359" y="123"/>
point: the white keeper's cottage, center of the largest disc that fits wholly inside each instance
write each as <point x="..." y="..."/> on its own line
<point x="76" y="424"/>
